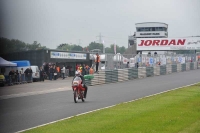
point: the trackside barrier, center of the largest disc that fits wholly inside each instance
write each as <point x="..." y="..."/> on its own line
<point x="169" y="69"/>
<point x="17" y="79"/>
<point x="122" y="75"/>
<point x="191" y="66"/>
<point x="149" y="71"/>
<point x="163" y="70"/>
<point x="119" y="75"/>
<point x="174" y="68"/>
<point x="187" y="66"/>
<point x="179" y="67"/>
<point x="198" y="64"/>
<point x="195" y="65"/>
<point x="157" y="70"/>
<point x="142" y="72"/>
<point x="183" y="67"/>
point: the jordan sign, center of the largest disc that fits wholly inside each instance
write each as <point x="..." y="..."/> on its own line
<point x="190" y="43"/>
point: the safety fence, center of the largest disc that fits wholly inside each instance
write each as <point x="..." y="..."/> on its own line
<point x="119" y="75"/>
<point x="18" y="79"/>
<point x="119" y="61"/>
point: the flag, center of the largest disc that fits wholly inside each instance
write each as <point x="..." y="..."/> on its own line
<point x="103" y="46"/>
<point x="115" y="47"/>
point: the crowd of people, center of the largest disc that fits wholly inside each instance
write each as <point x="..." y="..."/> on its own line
<point x="85" y="69"/>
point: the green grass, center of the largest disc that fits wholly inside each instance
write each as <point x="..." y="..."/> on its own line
<point x="176" y="111"/>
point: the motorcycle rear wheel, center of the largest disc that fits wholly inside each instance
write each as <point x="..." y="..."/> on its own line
<point x="82" y="99"/>
<point x="75" y="96"/>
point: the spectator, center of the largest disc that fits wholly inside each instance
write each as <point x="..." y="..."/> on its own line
<point x="77" y="66"/>
<point x="97" y="60"/>
<point x="91" y="70"/>
<point x="16" y="76"/>
<point x="12" y="76"/>
<point x="63" y="72"/>
<point x="41" y="74"/>
<point x="26" y="74"/>
<point x="136" y="65"/>
<point x="84" y="70"/>
<point x="2" y="80"/>
<point x="55" y="72"/>
<point x="87" y="69"/>
<point x="22" y="74"/>
<point x="51" y="71"/>
<point x="127" y="65"/>
<point x="30" y="74"/>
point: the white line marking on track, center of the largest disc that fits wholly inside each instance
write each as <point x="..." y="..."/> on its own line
<point x="105" y="108"/>
<point x="33" y="93"/>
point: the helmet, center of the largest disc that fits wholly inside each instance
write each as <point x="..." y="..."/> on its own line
<point x="77" y="73"/>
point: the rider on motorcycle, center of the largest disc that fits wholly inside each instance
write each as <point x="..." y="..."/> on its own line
<point x="77" y="73"/>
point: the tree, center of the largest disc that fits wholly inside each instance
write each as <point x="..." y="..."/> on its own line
<point x="77" y="48"/>
<point x="94" y="45"/>
<point x="14" y="45"/>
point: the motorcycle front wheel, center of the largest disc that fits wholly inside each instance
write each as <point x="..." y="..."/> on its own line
<point x="82" y="97"/>
<point x="75" y="96"/>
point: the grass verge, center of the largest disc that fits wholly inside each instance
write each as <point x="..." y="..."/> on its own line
<point x="176" y="111"/>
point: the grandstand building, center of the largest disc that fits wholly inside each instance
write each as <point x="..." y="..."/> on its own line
<point x="147" y="30"/>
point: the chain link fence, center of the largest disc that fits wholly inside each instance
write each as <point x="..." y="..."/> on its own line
<point x="121" y="61"/>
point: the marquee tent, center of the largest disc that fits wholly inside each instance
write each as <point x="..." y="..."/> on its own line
<point x="5" y="63"/>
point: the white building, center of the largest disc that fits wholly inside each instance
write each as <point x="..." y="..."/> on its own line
<point x="149" y="30"/>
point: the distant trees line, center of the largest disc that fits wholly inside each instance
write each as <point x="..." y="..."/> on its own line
<point x="15" y="45"/>
<point x="91" y="46"/>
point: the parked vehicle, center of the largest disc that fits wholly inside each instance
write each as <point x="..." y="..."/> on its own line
<point x="2" y="80"/>
<point x="36" y="73"/>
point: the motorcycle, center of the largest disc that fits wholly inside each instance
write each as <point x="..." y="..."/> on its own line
<point x="78" y="89"/>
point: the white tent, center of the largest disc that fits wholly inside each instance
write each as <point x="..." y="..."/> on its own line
<point x="6" y="63"/>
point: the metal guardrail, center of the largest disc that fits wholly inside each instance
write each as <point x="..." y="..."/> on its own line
<point x="18" y="79"/>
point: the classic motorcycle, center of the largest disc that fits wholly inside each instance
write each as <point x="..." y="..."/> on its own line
<point x="78" y="89"/>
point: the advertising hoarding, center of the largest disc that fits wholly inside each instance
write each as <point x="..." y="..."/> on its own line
<point x="190" y="43"/>
<point x="67" y="55"/>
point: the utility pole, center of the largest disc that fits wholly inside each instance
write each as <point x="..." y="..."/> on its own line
<point x="79" y="42"/>
<point x="100" y="41"/>
<point x="100" y="38"/>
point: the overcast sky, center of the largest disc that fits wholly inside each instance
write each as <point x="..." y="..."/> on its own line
<point x="52" y="22"/>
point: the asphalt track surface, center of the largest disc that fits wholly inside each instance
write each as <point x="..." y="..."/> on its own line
<point x="24" y="112"/>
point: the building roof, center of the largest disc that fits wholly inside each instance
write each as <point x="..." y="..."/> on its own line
<point x="151" y="22"/>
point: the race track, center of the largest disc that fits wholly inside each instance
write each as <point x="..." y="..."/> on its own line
<point x="28" y="111"/>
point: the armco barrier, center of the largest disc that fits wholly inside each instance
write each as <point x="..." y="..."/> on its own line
<point x="119" y="75"/>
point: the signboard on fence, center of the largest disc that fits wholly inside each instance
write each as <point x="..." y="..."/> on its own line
<point x="132" y="62"/>
<point x="163" y="60"/>
<point x="151" y="61"/>
<point x="67" y="55"/>
<point x="190" y="43"/>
